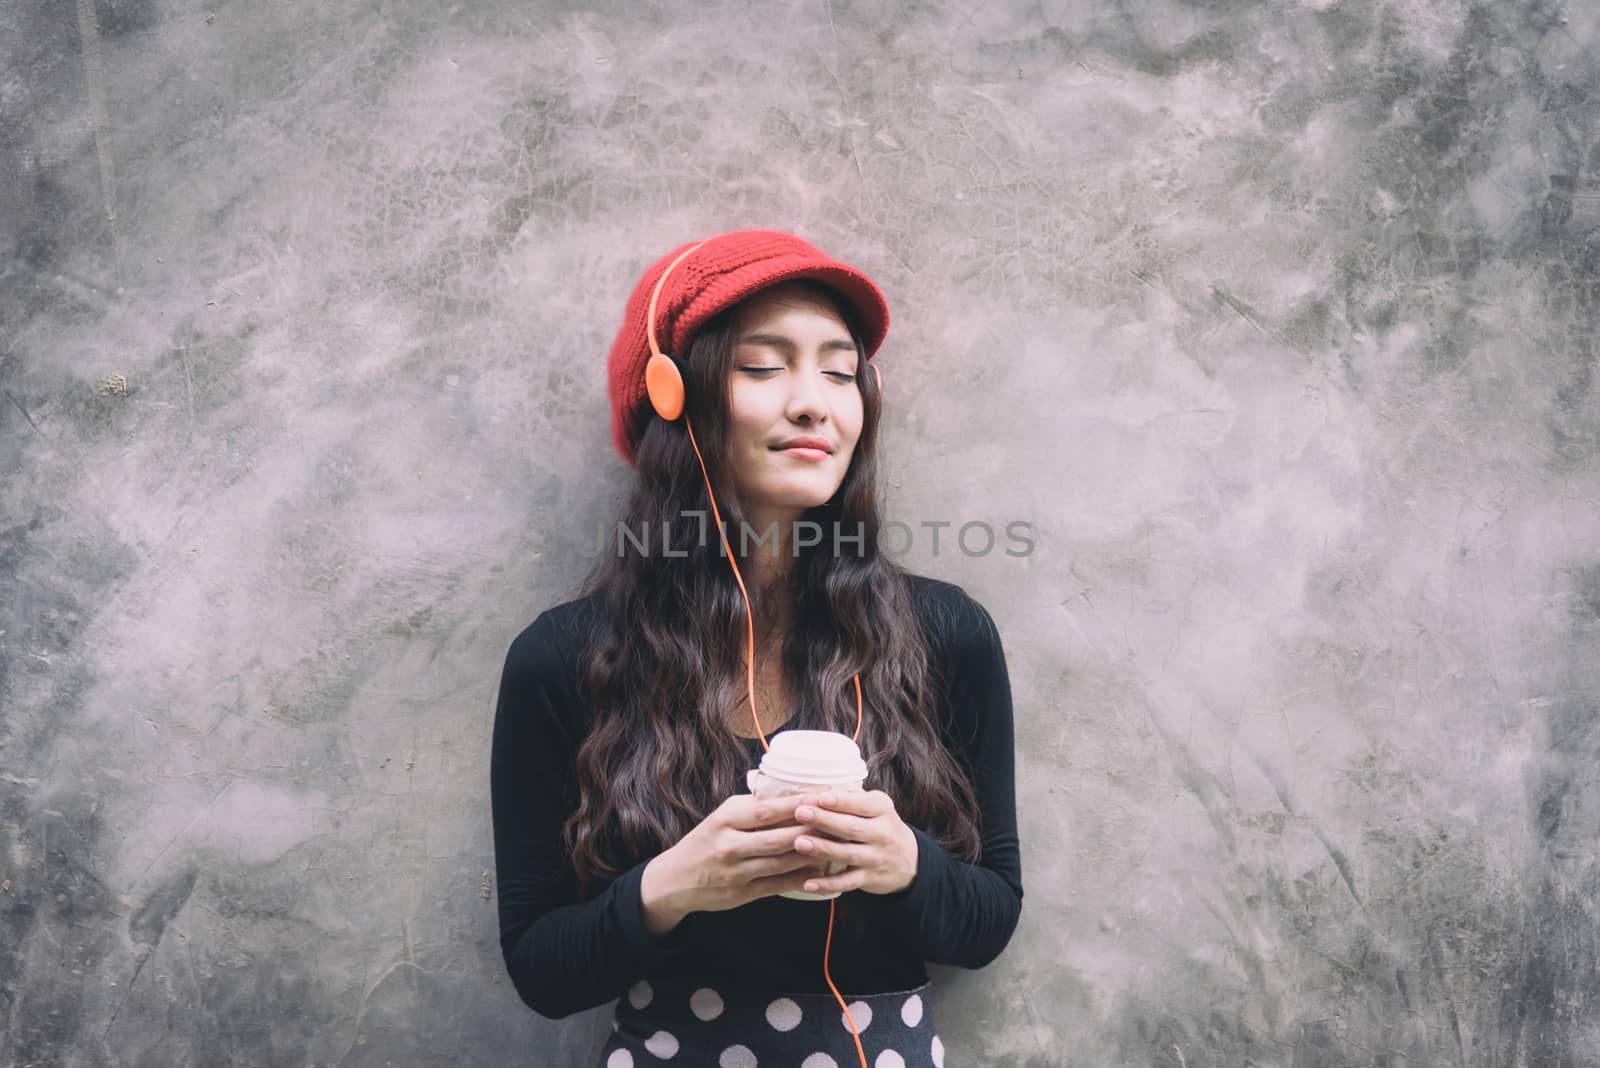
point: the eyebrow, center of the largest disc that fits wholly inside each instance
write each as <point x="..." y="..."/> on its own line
<point x="778" y="341"/>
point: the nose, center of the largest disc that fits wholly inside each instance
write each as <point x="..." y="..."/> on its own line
<point x="806" y="397"/>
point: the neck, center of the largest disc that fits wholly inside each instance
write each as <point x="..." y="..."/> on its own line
<point x="772" y="560"/>
<point x="771" y="610"/>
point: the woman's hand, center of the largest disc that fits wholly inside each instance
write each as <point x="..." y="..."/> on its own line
<point x="733" y="856"/>
<point x="876" y="843"/>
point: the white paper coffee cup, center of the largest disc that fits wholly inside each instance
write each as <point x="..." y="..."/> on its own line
<point x="797" y="762"/>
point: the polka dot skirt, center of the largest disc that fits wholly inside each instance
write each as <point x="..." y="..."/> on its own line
<point x="718" y="1025"/>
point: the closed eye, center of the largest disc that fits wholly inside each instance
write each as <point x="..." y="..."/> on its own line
<point x="841" y="376"/>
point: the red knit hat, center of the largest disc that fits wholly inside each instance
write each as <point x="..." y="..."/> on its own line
<point x="725" y="270"/>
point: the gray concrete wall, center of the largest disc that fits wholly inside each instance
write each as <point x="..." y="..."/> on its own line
<point x="1277" y="320"/>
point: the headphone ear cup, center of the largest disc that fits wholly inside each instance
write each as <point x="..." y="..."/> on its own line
<point x="664" y="384"/>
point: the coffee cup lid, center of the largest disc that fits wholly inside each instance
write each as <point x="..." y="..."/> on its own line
<point x="814" y="757"/>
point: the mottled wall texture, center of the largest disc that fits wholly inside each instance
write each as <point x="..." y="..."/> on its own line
<point x="1277" y="320"/>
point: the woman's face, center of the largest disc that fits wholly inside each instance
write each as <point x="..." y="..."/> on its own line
<point x="793" y="376"/>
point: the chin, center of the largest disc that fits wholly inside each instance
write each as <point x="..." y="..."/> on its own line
<point x="801" y="500"/>
<point x="799" y="491"/>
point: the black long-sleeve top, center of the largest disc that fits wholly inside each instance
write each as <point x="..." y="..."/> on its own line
<point x="565" y="955"/>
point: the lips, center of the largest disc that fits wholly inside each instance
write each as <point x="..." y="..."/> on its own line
<point x="805" y="443"/>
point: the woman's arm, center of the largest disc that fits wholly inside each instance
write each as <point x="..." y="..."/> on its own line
<point x="563" y="955"/>
<point x="956" y="912"/>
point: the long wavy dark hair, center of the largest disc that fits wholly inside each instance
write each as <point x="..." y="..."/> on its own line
<point x="663" y="667"/>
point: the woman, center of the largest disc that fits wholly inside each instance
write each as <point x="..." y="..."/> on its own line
<point x="633" y="862"/>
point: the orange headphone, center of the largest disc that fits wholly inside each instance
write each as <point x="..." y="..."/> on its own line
<point x="664" y="383"/>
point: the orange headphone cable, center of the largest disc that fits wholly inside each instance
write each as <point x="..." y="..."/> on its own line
<point x="750" y="682"/>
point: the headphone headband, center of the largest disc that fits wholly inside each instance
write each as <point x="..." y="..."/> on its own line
<point x="650" y="321"/>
